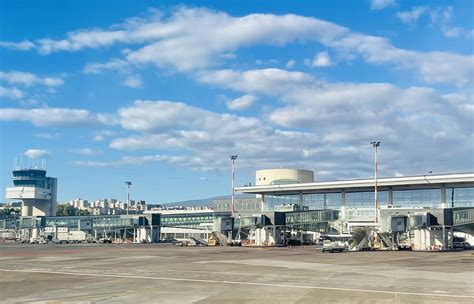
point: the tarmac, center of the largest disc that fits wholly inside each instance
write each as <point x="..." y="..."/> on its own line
<point x="158" y="273"/>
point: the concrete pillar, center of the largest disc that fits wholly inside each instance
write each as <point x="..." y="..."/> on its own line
<point x="301" y="201"/>
<point x="343" y="198"/>
<point x="274" y="235"/>
<point x="443" y="196"/>
<point x="445" y="241"/>
<point x="263" y="203"/>
<point x="451" y="237"/>
<point x="390" y="197"/>
<point x="423" y="239"/>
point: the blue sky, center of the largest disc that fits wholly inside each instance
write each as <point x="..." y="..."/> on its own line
<point x="162" y="93"/>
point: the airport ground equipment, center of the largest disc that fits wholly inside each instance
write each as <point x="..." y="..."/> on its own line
<point x="199" y="241"/>
<point x="218" y="239"/>
<point x="336" y="246"/>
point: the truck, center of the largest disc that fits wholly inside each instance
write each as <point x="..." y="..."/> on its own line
<point x="72" y="237"/>
<point x="336" y="246"/>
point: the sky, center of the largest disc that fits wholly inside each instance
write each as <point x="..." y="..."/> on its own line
<point x="160" y="93"/>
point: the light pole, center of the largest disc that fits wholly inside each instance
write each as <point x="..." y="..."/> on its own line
<point x="375" y="144"/>
<point x="129" y="185"/>
<point x="233" y="158"/>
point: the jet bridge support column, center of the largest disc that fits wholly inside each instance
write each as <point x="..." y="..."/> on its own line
<point x="443" y="196"/>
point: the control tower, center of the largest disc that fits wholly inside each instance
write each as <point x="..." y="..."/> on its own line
<point x="37" y="192"/>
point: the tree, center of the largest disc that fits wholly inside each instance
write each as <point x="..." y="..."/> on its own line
<point x="9" y="212"/>
<point x="83" y="212"/>
<point x="68" y="210"/>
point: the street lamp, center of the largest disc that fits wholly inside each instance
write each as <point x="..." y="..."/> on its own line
<point x="375" y="145"/>
<point x="129" y="185"/>
<point x="233" y="158"/>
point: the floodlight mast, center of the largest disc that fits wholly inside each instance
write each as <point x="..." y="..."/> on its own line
<point x="129" y="185"/>
<point x="375" y="145"/>
<point x="233" y="158"/>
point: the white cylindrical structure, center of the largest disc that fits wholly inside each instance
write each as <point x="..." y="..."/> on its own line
<point x="283" y="176"/>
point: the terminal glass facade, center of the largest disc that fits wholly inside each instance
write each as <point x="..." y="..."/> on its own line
<point x="460" y="197"/>
<point x="196" y="220"/>
<point x="410" y="198"/>
<point x="366" y="199"/>
<point x="323" y="200"/>
<point x="417" y="198"/>
<point x="275" y="200"/>
<point x="96" y="222"/>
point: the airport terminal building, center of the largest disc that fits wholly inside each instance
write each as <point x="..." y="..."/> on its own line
<point x="426" y="210"/>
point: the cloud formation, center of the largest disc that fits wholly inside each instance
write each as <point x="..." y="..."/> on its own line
<point x="86" y="151"/>
<point x="242" y="102"/>
<point x="11" y="93"/>
<point x="174" y="41"/>
<point x="54" y="117"/>
<point x="29" y="79"/>
<point x="24" y="45"/>
<point x="133" y="81"/>
<point x="411" y="17"/>
<point x="320" y="60"/>
<point x="382" y="4"/>
<point x="37" y="153"/>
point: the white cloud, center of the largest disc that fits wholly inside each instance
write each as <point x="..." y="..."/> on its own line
<point x="86" y="151"/>
<point x="411" y="17"/>
<point x="53" y="117"/>
<point x="37" y="153"/>
<point x="47" y="135"/>
<point x="452" y="32"/>
<point x="266" y="62"/>
<point x="11" y="93"/>
<point x="268" y="81"/>
<point x="381" y="4"/>
<point x="173" y="41"/>
<point x="113" y="64"/>
<point x="29" y="79"/>
<point x="441" y="17"/>
<point x="290" y="64"/>
<point x="142" y="160"/>
<point x="101" y="135"/>
<point x="320" y="60"/>
<point x="241" y="103"/>
<point x="351" y="113"/>
<point x="204" y="136"/>
<point x="81" y="39"/>
<point x="133" y="81"/>
<point x="24" y="45"/>
<point x="150" y="116"/>
<point x="335" y="123"/>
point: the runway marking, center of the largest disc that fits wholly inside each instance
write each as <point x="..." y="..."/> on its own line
<point x="424" y="284"/>
<point x="238" y="283"/>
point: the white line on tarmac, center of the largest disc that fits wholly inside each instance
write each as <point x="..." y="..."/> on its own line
<point x="161" y="270"/>
<point x="237" y="283"/>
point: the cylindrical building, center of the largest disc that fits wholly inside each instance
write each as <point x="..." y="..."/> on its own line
<point x="283" y="176"/>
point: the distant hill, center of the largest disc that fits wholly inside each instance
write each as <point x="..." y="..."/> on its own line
<point x="207" y="201"/>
